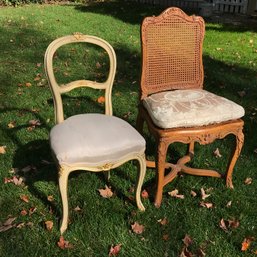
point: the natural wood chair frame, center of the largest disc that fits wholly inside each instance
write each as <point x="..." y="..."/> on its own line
<point x="202" y="134"/>
<point x="58" y="90"/>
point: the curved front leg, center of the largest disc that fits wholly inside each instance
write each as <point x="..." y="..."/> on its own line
<point x="140" y="179"/>
<point x="161" y="160"/>
<point x="63" y="182"/>
<point x="234" y="157"/>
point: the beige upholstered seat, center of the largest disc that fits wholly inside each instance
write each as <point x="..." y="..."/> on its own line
<point x="93" y="142"/>
<point x="173" y="103"/>
<point x="190" y="108"/>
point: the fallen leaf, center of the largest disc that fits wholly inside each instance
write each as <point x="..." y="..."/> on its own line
<point x="21" y="225"/>
<point x="174" y="193"/>
<point x="50" y="198"/>
<point x="200" y="252"/>
<point x="203" y="194"/>
<point x="38" y="64"/>
<point x="32" y="210"/>
<point x="185" y="252"/>
<point x="144" y="194"/>
<point x="165" y="237"/>
<point x="101" y="99"/>
<point x="34" y="123"/>
<point x="193" y="193"/>
<point x="28" y="84"/>
<point x="24" y="198"/>
<point x="163" y="221"/>
<point x="246" y="243"/>
<point x="11" y="124"/>
<point x="248" y="181"/>
<point x="49" y="225"/>
<point x="98" y="65"/>
<point x="187" y="240"/>
<point x="24" y="212"/>
<point x="8" y="224"/>
<point x="17" y="181"/>
<point x="217" y="153"/>
<point x="114" y="250"/>
<point x="255" y="150"/>
<point x="63" y="244"/>
<point x="2" y="149"/>
<point x="223" y="225"/>
<point x="77" y="209"/>
<point x="206" y="205"/>
<point x="137" y="228"/>
<point x="233" y="223"/>
<point x="106" y="193"/>
<point x="228" y="205"/>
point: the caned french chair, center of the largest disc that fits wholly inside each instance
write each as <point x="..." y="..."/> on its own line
<point x="92" y="141"/>
<point x="174" y="104"/>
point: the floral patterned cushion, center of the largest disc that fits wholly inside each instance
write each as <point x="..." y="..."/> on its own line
<point x="190" y="108"/>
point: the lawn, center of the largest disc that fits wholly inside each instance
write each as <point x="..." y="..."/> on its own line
<point x="96" y="223"/>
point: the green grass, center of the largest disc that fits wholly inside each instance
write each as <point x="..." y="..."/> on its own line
<point x="230" y="59"/>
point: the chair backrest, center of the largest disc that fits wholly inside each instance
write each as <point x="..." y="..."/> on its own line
<point x="171" y="52"/>
<point x="58" y="90"/>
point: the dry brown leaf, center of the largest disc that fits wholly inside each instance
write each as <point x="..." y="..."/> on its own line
<point x="206" y="205"/>
<point x="2" y="149"/>
<point x="137" y="228"/>
<point x="174" y="193"/>
<point x="200" y="252"/>
<point x="17" y="181"/>
<point x="101" y="99"/>
<point x="21" y="225"/>
<point x="203" y="194"/>
<point x="8" y="224"/>
<point x="228" y="205"/>
<point x="34" y="123"/>
<point x="144" y="194"/>
<point x="63" y="244"/>
<point x="246" y="243"/>
<point x="185" y="252"/>
<point x="187" y="240"/>
<point x="193" y="193"/>
<point x="49" y="225"/>
<point x="165" y="237"/>
<point x="11" y="124"/>
<point x="217" y="153"/>
<point x="114" y="250"/>
<point x="233" y="223"/>
<point x="106" y="193"/>
<point x="24" y="198"/>
<point x="50" y="198"/>
<point x="77" y="209"/>
<point x="24" y="212"/>
<point x="32" y="210"/>
<point x="98" y="65"/>
<point x="163" y="221"/>
<point x="248" y="181"/>
<point x="223" y="225"/>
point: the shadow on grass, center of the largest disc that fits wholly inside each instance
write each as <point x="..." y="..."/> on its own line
<point x="134" y="13"/>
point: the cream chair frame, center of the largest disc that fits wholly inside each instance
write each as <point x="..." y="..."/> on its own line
<point x="58" y="90"/>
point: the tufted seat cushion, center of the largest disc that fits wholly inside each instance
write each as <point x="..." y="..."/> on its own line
<point x="94" y="139"/>
<point x="190" y="108"/>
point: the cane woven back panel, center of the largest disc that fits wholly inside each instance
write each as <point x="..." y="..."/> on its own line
<point x="172" y="52"/>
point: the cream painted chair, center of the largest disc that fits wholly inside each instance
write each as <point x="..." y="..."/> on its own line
<point x="93" y="142"/>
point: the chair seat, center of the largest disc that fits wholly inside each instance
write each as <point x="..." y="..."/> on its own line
<point x="94" y="139"/>
<point x="190" y="108"/>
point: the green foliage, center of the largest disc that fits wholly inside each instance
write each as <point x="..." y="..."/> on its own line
<point x="230" y="66"/>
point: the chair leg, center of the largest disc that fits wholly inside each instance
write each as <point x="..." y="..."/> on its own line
<point x="161" y="161"/>
<point x="234" y="157"/>
<point x="63" y="182"/>
<point x="140" y="179"/>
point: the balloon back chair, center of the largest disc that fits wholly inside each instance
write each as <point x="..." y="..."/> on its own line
<point x="92" y="141"/>
<point x="174" y="104"/>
